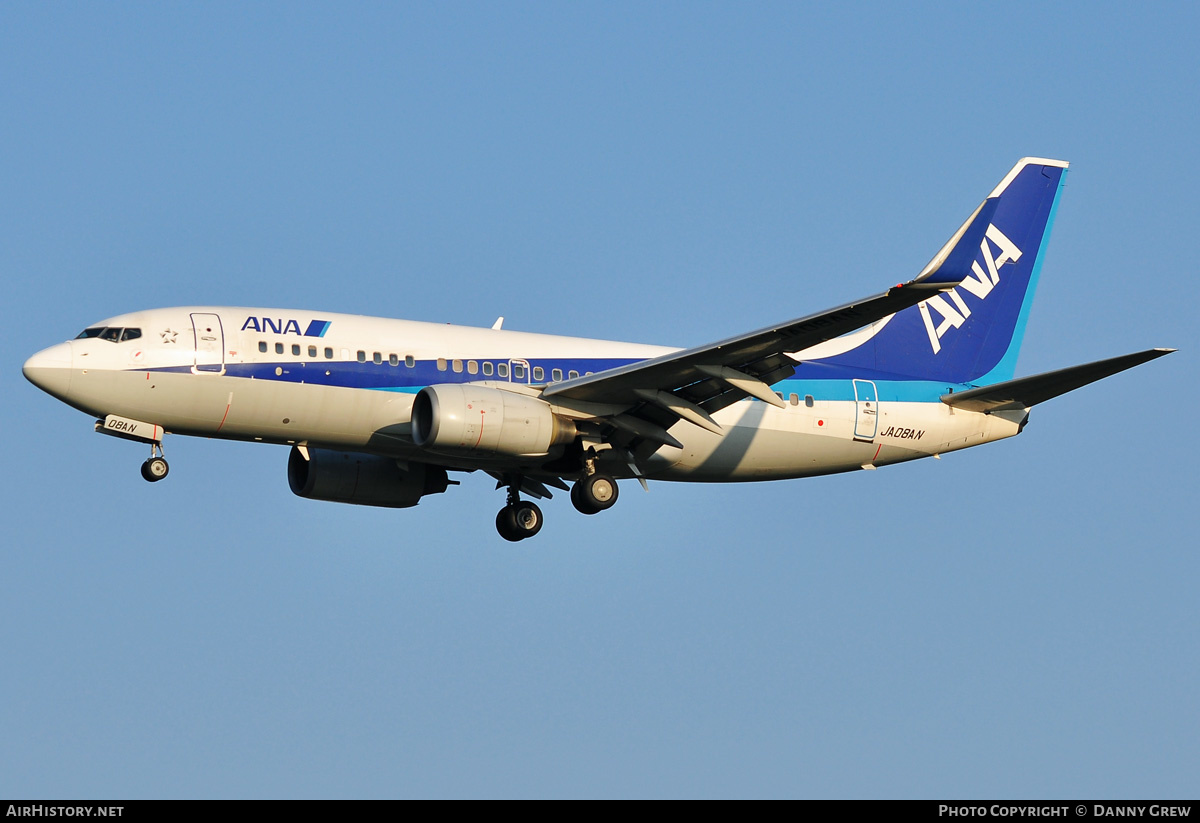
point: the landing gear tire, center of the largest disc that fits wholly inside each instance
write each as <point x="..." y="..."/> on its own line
<point x="506" y="525"/>
<point x="594" y="493"/>
<point x="579" y="503"/>
<point x="528" y="518"/>
<point x="519" y="521"/>
<point x="155" y="469"/>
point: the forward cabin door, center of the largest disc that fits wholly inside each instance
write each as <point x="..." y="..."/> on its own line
<point x="866" y="410"/>
<point x="210" y="344"/>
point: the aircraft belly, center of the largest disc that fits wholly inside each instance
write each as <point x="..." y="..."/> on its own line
<point x="245" y="409"/>
<point x="179" y="402"/>
<point x="762" y="442"/>
<point x="325" y="415"/>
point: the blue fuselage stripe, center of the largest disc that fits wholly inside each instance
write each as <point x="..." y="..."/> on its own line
<point x="821" y="381"/>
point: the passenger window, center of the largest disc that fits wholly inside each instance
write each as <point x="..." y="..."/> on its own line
<point x="328" y="353"/>
<point x="794" y="399"/>
<point x="393" y="360"/>
<point x="362" y="356"/>
<point x="518" y="371"/>
<point x="131" y="334"/>
<point x="472" y="367"/>
<point x="457" y="366"/>
<point x="312" y="351"/>
<point x="441" y="364"/>
<point x="377" y="358"/>
<point x="410" y="361"/>
<point x="279" y="348"/>
<point x="587" y="374"/>
<point x="296" y="349"/>
<point x="808" y="400"/>
<point x="502" y="370"/>
<point x="262" y="345"/>
<point x="539" y="374"/>
<point x="572" y="374"/>
<point x="779" y="394"/>
<point x="556" y="375"/>
<point x="487" y="369"/>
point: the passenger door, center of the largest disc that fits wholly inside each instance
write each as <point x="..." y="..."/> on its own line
<point x="866" y="410"/>
<point x="210" y="344"/>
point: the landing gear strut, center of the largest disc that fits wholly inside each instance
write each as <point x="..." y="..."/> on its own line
<point x="520" y="518"/>
<point x="155" y="468"/>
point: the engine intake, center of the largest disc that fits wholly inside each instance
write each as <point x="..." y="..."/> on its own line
<point x="462" y="417"/>
<point x="362" y="479"/>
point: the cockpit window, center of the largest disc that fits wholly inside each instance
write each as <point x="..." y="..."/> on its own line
<point x="114" y="334"/>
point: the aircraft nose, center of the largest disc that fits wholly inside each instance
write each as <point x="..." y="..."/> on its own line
<point x="50" y="370"/>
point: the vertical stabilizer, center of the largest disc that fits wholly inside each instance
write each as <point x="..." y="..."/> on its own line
<point x="972" y="333"/>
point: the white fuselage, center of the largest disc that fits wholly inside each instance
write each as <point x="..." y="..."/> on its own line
<point x="279" y="376"/>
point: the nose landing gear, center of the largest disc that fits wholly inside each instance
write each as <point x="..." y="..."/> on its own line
<point x="155" y="468"/>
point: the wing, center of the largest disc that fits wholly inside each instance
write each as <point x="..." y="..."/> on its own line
<point x="693" y="384"/>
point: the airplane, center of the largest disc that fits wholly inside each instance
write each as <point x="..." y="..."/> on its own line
<point x="379" y="412"/>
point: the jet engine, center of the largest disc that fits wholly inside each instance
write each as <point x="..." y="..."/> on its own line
<point x="362" y="479"/>
<point x="461" y="417"/>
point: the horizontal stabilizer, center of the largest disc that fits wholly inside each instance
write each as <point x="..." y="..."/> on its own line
<point x="1029" y="391"/>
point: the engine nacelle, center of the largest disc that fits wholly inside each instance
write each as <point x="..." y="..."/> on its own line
<point x="462" y="417"/>
<point x="362" y="479"/>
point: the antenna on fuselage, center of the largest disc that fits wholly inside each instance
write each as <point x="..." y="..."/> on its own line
<point x="499" y="322"/>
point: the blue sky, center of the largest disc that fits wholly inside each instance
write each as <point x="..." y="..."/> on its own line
<point x="1013" y="621"/>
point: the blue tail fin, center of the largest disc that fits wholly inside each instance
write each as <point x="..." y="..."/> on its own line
<point x="972" y="333"/>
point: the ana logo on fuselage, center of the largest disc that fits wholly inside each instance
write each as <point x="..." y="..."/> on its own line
<point x="980" y="286"/>
<point x="315" y="328"/>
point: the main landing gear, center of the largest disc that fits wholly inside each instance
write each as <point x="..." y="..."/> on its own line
<point x="520" y="518"/>
<point x="594" y="493"/>
<point x="155" y="468"/>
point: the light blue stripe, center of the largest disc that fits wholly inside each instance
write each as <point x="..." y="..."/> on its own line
<point x="1007" y="367"/>
<point x="890" y="391"/>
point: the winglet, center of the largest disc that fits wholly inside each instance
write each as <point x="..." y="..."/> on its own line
<point x="952" y="264"/>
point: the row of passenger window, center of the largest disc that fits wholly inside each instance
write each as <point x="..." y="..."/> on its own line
<point x="312" y="350"/>
<point x="470" y="366"/>
<point x="794" y="399"/>
<point x="457" y="366"/>
<point x="501" y="370"/>
<point x="392" y="359"/>
<point x="487" y="367"/>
